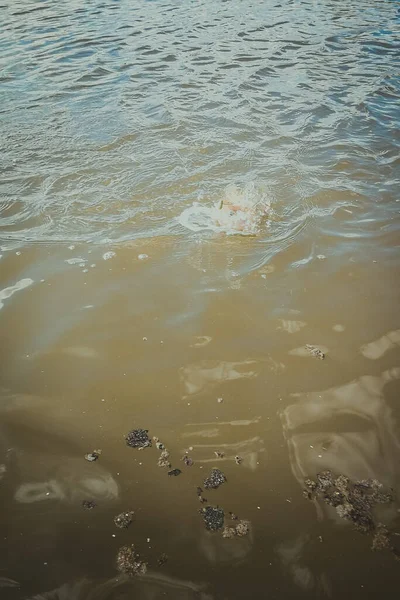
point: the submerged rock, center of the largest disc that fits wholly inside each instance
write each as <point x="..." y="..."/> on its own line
<point x="242" y="528"/>
<point x="88" y="504"/>
<point x="124" y="519"/>
<point x="138" y="438"/>
<point x="229" y="532"/>
<point x="129" y="562"/>
<point x="215" y="479"/>
<point x="213" y="517"/>
<point x="353" y="501"/>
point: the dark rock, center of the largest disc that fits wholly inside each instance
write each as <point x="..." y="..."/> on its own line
<point x="215" y="479"/>
<point x="213" y="517"/>
<point x="124" y="519"/>
<point x="138" y="438"/>
<point x="174" y="472"/>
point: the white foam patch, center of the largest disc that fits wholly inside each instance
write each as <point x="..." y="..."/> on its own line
<point x="108" y="255"/>
<point x="76" y="261"/>
<point x="238" y="212"/>
<point x="10" y="291"/>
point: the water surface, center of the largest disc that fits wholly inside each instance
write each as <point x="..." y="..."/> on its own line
<point x="116" y="117"/>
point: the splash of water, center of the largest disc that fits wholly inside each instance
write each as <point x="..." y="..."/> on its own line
<point x="238" y="212"/>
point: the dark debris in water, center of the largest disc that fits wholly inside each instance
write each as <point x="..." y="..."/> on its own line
<point x="162" y="560"/>
<point x="129" y="562"/>
<point x="355" y="502"/>
<point x="187" y="460"/>
<point x="88" y="504"/>
<point x="174" y="472"/>
<point x="92" y="456"/>
<point x="213" y="517"/>
<point x="238" y="460"/>
<point x="240" y="530"/>
<point x="215" y="479"/>
<point x="124" y="519"/>
<point x="381" y="539"/>
<point x="138" y="438"/>
<point x="314" y="351"/>
<point x="200" y="495"/>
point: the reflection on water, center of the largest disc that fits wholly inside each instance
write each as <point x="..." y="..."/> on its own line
<point x="198" y="378"/>
<point x="291" y="555"/>
<point x="150" y="587"/>
<point x="376" y="349"/>
<point x="347" y="429"/>
<point x="72" y="482"/>
<point x="140" y="141"/>
<point x="10" y="291"/>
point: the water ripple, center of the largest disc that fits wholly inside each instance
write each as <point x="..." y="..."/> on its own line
<point x="118" y="117"/>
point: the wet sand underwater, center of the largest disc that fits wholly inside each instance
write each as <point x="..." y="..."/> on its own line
<point x="258" y="354"/>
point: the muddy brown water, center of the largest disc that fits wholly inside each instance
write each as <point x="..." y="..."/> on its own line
<point x="115" y="118"/>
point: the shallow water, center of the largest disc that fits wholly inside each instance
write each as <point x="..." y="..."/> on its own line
<point x="116" y="117"/>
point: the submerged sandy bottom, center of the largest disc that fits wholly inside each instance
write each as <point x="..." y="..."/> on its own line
<point x="130" y="300"/>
